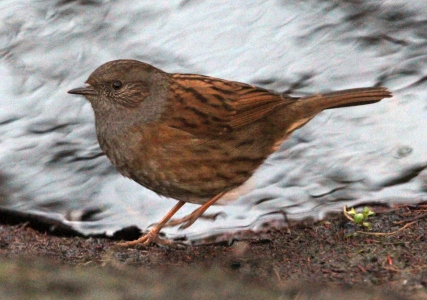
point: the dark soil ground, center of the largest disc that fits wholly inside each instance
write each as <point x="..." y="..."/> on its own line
<point x="324" y="260"/>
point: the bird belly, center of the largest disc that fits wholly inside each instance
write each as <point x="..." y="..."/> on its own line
<point x="192" y="169"/>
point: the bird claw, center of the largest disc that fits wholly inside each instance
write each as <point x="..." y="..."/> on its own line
<point x="151" y="237"/>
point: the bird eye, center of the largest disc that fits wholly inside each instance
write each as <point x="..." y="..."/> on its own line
<point x="117" y="85"/>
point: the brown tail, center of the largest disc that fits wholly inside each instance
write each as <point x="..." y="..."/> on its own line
<point x="305" y="108"/>
<point x="314" y="104"/>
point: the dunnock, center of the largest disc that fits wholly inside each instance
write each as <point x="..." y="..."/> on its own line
<point x="194" y="137"/>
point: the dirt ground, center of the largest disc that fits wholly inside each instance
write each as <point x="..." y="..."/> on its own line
<point x="333" y="258"/>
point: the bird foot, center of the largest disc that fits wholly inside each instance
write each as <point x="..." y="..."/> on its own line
<point x="152" y="237"/>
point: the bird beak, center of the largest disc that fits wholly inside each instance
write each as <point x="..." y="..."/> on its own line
<point x="85" y="91"/>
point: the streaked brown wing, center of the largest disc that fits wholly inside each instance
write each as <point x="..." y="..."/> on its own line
<point x="212" y="106"/>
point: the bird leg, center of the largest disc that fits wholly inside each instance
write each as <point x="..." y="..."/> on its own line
<point x="152" y="235"/>
<point x="188" y="220"/>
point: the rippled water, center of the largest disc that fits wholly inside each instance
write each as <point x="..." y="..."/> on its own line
<point x="50" y="162"/>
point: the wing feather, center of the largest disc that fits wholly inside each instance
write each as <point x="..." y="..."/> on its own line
<point x="207" y="105"/>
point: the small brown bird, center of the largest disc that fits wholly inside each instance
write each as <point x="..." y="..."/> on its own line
<point x="193" y="137"/>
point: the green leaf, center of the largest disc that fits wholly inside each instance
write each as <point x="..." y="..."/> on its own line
<point x="359" y="218"/>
